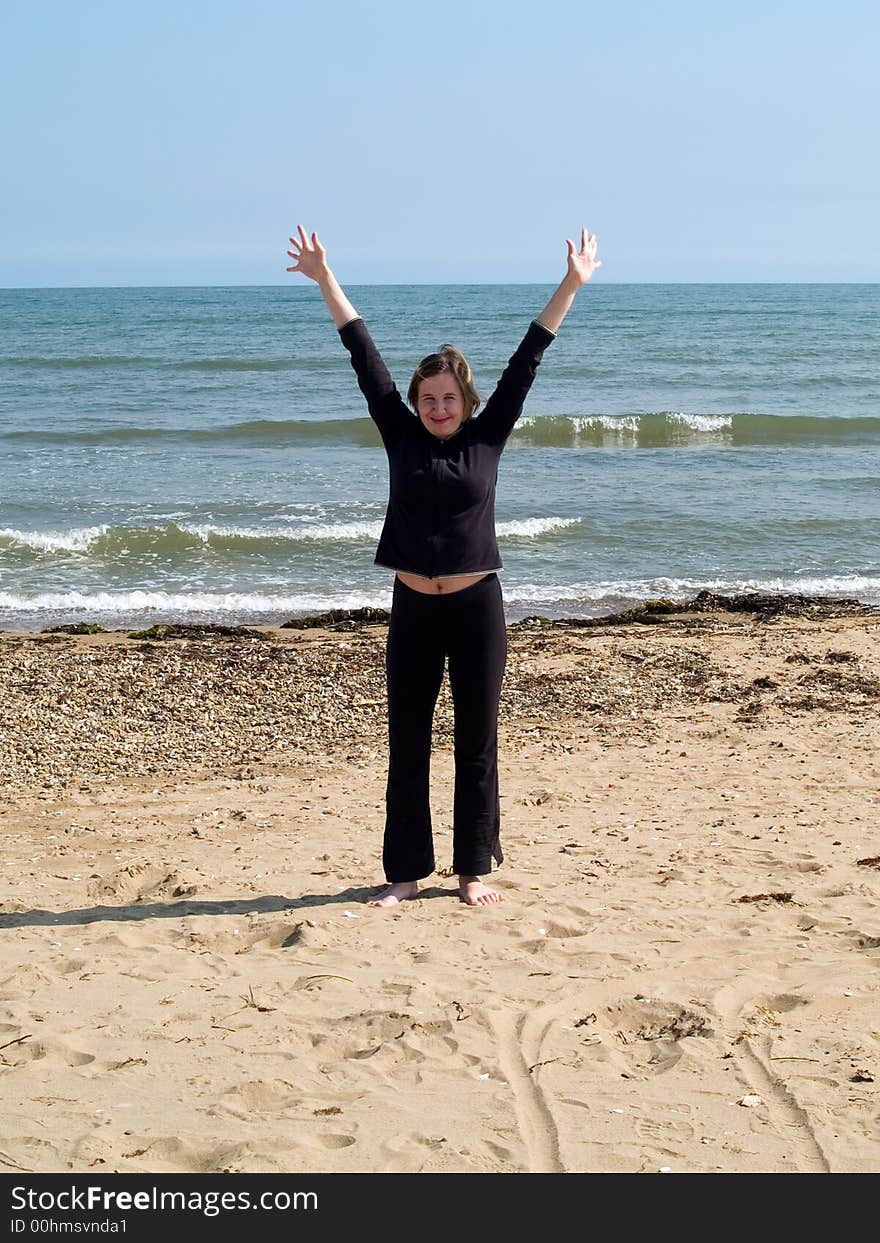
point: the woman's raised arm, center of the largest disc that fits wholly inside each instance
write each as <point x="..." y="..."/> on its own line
<point x="504" y="407"/>
<point x="581" y="266"/>
<point x="387" y="408"/>
<point x="311" y="260"/>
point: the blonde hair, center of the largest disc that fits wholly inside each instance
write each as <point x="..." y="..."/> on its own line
<point x="446" y="359"/>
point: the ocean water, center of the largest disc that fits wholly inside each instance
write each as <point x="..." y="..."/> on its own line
<point x="205" y="454"/>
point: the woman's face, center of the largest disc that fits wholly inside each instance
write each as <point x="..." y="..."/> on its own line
<point x="441" y="404"/>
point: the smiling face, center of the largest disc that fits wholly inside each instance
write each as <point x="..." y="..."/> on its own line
<point x="440" y="404"/>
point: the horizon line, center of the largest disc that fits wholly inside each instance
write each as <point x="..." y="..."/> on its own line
<point x="417" y="285"/>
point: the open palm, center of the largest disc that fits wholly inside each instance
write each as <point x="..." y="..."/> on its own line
<point x="310" y="255"/>
<point x="583" y="263"/>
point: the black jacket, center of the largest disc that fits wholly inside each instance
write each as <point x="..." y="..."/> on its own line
<point x="441" y="507"/>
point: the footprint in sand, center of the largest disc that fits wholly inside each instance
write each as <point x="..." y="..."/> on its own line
<point x="551" y="930"/>
<point x="262" y="1096"/>
<point x="412" y="1152"/>
<point x="71" y="966"/>
<point x="371" y="1026"/>
<point x="384" y="1041"/>
<point x="505" y="1156"/>
<point x="138" y="881"/>
<point x="661" y="1131"/>
<point x="172" y="1155"/>
<point x="251" y="1157"/>
<point x="331" y="1141"/>
<point x="559" y="931"/>
<point x="286" y="934"/>
<point x="781" y="1003"/>
<point x="46" y="1049"/>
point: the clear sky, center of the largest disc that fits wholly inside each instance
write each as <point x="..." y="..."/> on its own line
<point x="150" y="142"/>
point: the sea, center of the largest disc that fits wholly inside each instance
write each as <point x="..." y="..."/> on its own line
<point x="205" y="455"/>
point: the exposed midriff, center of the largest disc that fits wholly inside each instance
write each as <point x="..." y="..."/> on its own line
<point x="440" y="586"/>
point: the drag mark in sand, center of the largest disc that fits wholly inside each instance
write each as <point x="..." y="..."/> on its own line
<point x="519" y="1041"/>
<point x="787" y="1116"/>
<point x="785" y="1112"/>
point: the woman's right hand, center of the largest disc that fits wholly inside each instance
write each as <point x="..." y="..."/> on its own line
<point x="311" y="257"/>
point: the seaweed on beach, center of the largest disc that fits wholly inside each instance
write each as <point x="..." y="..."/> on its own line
<point x="766" y="897"/>
<point x="763" y="605"/>
<point x="845" y="683"/>
<point x="339" y="619"/>
<point x="207" y="630"/>
<point x="675" y="1027"/>
<point x="768" y="606"/>
<point x="648" y="613"/>
<point x="75" y="628"/>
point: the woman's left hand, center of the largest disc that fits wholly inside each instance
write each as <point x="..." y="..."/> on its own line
<point x="582" y="263"/>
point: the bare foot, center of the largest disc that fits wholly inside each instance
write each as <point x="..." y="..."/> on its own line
<point x="395" y="893"/>
<point x="475" y="893"/>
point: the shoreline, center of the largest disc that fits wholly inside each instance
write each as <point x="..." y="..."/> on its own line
<point x="765" y="602"/>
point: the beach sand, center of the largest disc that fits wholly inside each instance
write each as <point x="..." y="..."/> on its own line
<point x="682" y="974"/>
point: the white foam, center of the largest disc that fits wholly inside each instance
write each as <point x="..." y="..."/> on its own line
<point x="612" y="591"/>
<point x="77" y="539"/>
<point x="534" y="526"/>
<point x="702" y="422"/>
<point x="606" y="423"/>
<point x="117" y="602"/>
<point x="633" y="424"/>
<point x="585" y="422"/>
<point x="360" y="530"/>
<point x="863" y="587"/>
<point x="319" y="531"/>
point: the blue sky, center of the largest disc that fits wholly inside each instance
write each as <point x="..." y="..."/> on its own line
<point x="179" y="143"/>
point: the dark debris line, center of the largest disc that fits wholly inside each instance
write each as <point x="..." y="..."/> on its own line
<point x="763" y="605"/>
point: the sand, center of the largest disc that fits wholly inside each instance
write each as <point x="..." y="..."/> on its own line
<point x="682" y="974"/>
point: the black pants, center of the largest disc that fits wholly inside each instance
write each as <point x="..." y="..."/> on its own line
<point x="467" y="626"/>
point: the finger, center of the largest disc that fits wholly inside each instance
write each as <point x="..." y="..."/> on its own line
<point x="570" y="244"/>
<point x="316" y="242"/>
<point x="304" y="241"/>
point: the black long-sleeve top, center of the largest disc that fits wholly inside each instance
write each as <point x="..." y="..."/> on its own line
<point x="440" y="519"/>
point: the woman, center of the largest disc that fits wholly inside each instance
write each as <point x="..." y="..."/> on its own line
<point x="439" y="538"/>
